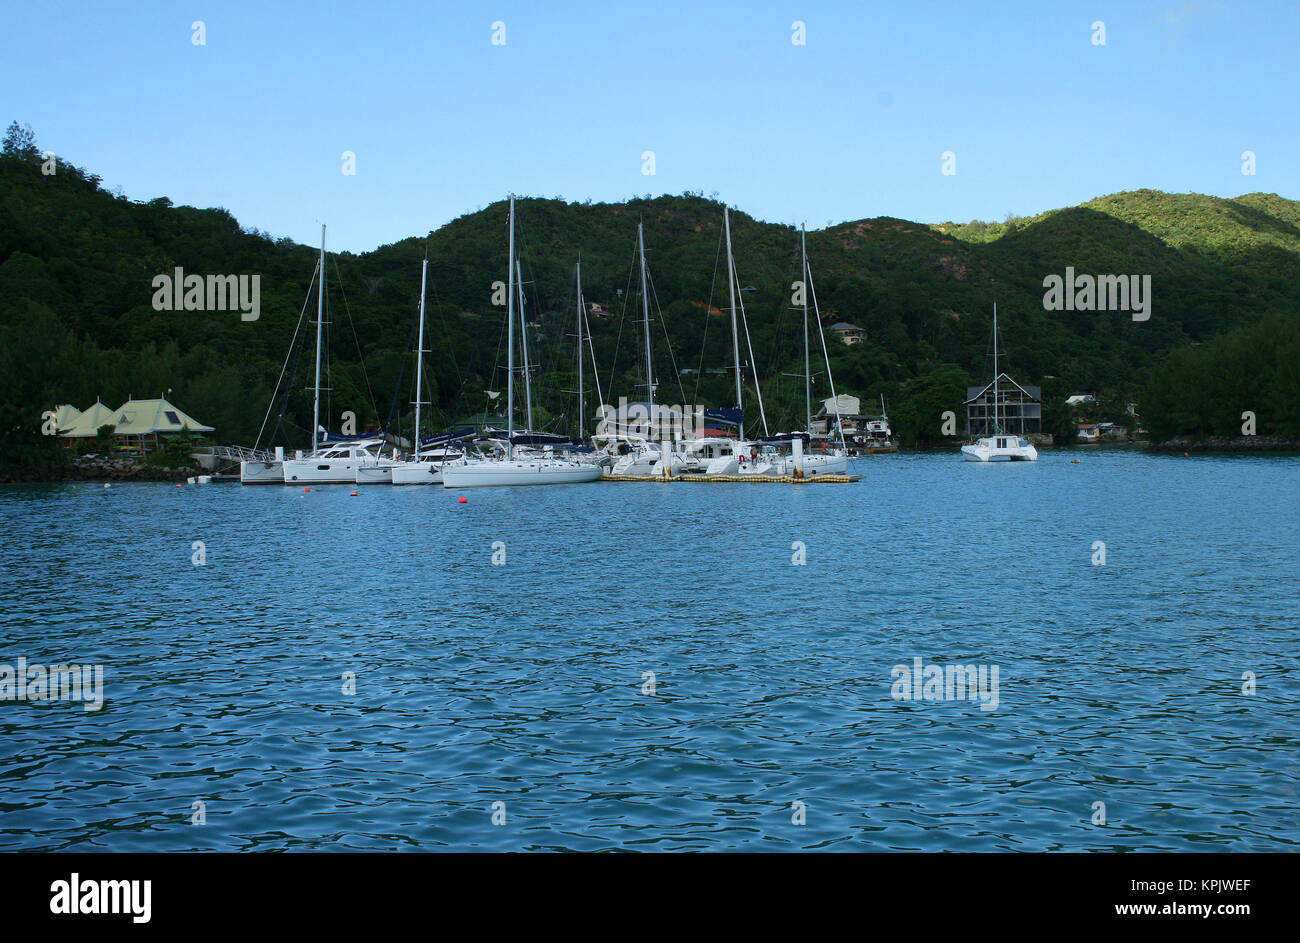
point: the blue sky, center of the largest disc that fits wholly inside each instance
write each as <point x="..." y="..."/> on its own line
<point x="853" y="124"/>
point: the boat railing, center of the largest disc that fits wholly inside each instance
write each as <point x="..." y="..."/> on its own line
<point x="221" y="454"/>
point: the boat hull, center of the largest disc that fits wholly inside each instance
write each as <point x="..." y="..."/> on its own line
<point x="489" y="474"/>
<point x="308" y="471"/>
<point x="374" y="474"/>
<point x="417" y="473"/>
<point x="261" y="473"/>
<point x="973" y="453"/>
<point x="818" y="465"/>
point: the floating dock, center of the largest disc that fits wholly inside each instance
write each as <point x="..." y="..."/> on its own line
<point x="783" y="479"/>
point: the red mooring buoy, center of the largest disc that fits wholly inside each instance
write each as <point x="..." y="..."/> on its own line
<point x="463" y="500"/>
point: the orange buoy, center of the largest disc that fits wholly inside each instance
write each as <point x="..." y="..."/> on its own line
<point x="463" y="500"/>
<point x="353" y="493"/>
<point x="179" y="485"/>
<point x="306" y="489"/>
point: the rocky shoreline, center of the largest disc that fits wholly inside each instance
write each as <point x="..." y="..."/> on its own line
<point x="1226" y="443"/>
<point x="93" y="469"/>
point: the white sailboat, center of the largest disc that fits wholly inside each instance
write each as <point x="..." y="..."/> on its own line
<point x="741" y="458"/>
<point x="333" y="463"/>
<point x="270" y="470"/>
<point x="580" y="451"/>
<point x="510" y="470"/>
<point x="813" y="463"/>
<point x="424" y="467"/>
<point x="1000" y="446"/>
<point x="649" y="455"/>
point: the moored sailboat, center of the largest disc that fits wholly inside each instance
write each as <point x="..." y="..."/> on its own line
<point x="509" y="470"/>
<point x="269" y="469"/>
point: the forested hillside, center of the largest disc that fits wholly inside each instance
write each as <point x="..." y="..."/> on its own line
<point x="76" y="320"/>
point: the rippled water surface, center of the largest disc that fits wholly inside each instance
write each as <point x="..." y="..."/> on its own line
<point x="523" y="683"/>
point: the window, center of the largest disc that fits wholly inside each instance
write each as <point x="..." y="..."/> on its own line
<point x="174" y="419"/>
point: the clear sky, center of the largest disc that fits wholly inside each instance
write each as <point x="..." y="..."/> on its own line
<point x="852" y="124"/>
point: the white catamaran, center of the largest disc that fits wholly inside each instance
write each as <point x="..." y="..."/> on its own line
<point x="1000" y="446"/>
<point x="509" y="470"/>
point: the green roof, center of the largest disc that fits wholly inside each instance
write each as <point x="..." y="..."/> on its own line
<point x="87" y="424"/>
<point x="134" y="417"/>
<point x="147" y="416"/>
<point x="64" y="415"/>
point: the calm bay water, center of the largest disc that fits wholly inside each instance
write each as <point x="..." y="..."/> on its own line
<point x="523" y="683"/>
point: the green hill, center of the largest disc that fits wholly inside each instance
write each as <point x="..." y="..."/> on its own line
<point x="76" y="320"/>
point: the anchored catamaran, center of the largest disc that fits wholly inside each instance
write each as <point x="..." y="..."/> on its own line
<point x="1000" y="446"/>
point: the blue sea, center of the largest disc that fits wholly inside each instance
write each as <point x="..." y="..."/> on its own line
<point x="646" y="666"/>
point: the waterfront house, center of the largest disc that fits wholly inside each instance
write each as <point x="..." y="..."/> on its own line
<point x="139" y="425"/>
<point x="1019" y="408"/>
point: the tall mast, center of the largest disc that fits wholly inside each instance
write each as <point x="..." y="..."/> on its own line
<point x="807" y="370"/>
<point x="735" y="336"/>
<point x="995" y="368"/>
<point x="830" y="376"/>
<point x="510" y="338"/>
<point x="419" y="359"/>
<point x="581" y="411"/>
<point x="320" y="320"/>
<point x="591" y="348"/>
<point x="645" y="307"/>
<point x="523" y="329"/>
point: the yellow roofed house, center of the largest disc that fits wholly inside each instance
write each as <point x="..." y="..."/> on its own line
<point x="138" y="423"/>
<point x="141" y="421"/>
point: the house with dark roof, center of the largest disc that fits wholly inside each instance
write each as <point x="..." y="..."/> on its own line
<point x="849" y="333"/>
